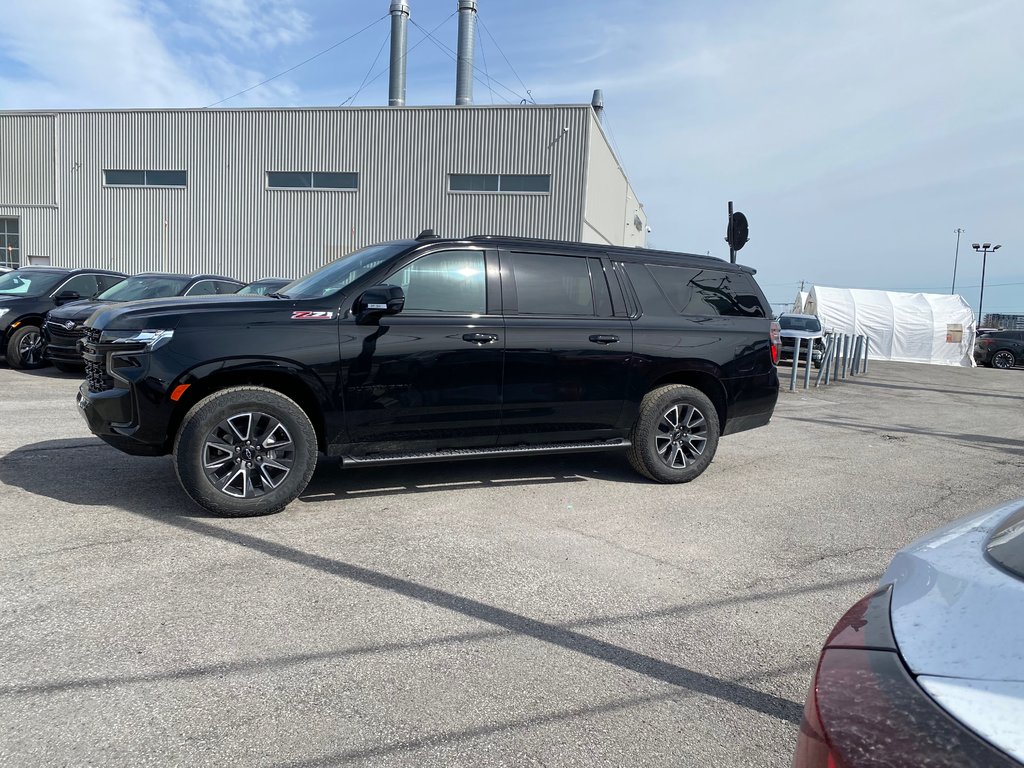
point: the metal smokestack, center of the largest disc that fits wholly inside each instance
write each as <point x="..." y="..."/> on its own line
<point x="399" y="24"/>
<point x="464" y="66"/>
<point x="598" y="104"/>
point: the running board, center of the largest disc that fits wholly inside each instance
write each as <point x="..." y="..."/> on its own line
<point x="376" y="460"/>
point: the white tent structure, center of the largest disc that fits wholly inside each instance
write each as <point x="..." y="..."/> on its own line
<point x="908" y="327"/>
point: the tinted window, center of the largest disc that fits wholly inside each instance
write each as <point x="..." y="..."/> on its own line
<point x="145" y="287"/>
<point x="552" y="285"/>
<point x="473" y="182"/>
<point x="108" y="281"/>
<point x="312" y="180"/>
<point x="335" y="180"/>
<point x="20" y="283"/>
<point x="85" y="286"/>
<point x="448" y="281"/>
<point x="124" y="177"/>
<point x="790" y="323"/>
<point x="145" y="178"/>
<point x="202" y="288"/>
<point x="525" y="183"/>
<point x="693" y="291"/>
<point x="226" y="287"/>
<point x="166" y="178"/>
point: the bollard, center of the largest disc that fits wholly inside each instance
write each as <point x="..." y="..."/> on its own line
<point x="855" y="363"/>
<point x="796" y="364"/>
<point x="836" y="356"/>
<point x="807" y="363"/>
<point x="826" y="361"/>
<point x="846" y="354"/>
<point x="865" y="369"/>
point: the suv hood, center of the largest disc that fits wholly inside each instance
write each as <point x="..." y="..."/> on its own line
<point x="76" y="310"/>
<point x="800" y="334"/>
<point x="168" y="313"/>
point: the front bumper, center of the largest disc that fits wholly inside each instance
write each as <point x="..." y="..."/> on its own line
<point x="110" y="416"/>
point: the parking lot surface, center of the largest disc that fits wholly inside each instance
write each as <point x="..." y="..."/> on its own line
<point x="549" y="611"/>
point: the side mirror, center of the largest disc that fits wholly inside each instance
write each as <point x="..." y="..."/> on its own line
<point x="378" y="301"/>
<point x="65" y="296"/>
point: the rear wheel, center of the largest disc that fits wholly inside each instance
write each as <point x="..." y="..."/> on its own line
<point x="675" y="435"/>
<point x="245" y="451"/>
<point x="25" y="348"/>
<point x="1003" y="359"/>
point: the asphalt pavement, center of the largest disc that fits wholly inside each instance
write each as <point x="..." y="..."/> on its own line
<point x="550" y="611"/>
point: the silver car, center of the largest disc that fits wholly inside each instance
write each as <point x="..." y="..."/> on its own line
<point x="929" y="669"/>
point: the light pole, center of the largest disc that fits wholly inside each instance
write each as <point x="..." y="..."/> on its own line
<point x="959" y="231"/>
<point x="983" y="249"/>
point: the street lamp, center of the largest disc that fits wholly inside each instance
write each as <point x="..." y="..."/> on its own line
<point x="983" y="249"/>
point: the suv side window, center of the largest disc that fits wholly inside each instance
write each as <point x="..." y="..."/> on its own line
<point x="84" y="285"/>
<point x="202" y="288"/>
<point x="222" y="286"/>
<point x="553" y="285"/>
<point x="445" y="281"/>
<point x="108" y="281"/>
<point x="693" y="291"/>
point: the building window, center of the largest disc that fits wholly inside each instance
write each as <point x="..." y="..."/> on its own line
<point x="312" y="180"/>
<point x="499" y="182"/>
<point x="121" y="178"/>
<point x="10" y="252"/>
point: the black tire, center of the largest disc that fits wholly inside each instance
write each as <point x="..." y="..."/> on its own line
<point x="678" y="453"/>
<point x="68" y="367"/>
<point x="1003" y="360"/>
<point x="212" y="432"/>
<point x="25" y="348"/>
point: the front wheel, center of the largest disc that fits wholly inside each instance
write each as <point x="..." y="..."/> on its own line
<point x="25" y="348"/>
<point x="245" y="451"/>
<point x="675" y="435"/>
<point x="1003" y="359"/>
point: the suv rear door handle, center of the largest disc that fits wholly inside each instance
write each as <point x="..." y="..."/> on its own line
<point x="479" y="338"/>
<point x="604" y="339"/>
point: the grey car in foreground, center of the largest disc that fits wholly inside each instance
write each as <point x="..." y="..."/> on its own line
<point x="929" y="669"/>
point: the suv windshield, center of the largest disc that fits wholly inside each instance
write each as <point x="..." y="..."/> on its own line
<point x="19" y="283"/>
<point x="339" y="274"/>
<point x="790" y="323"/>
<point x="144" y="287"/>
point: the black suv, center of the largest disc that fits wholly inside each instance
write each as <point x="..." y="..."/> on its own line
<point x="436" y="349"/>
<point x="27" y="294"/>
<point x="64" y="326"/>
<point x="1000" y="349"/>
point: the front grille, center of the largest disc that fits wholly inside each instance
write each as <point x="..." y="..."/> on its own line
<point x="58" y="332"/>
<point x="96" y="375"/>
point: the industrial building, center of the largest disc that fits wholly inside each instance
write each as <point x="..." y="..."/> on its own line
<point x="255" y="192"/>
<point x="1006" y="322"/>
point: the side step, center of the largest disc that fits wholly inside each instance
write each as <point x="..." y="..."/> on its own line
<point x="379" y="459"/>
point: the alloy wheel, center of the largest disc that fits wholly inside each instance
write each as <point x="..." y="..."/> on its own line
<point x="248" y="455"/>
<point x="682" y="436"/>
<point x="1003" y="359"/>
<point x="30" y="349"/>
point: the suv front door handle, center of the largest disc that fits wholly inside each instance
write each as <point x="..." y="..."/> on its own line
<point x="604" y="339"/>
<point x="479" y="338"/>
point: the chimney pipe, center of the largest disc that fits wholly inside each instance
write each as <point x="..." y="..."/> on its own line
<point x="598" y="104"/>
<point x="464" y="66"/>
<point x="399" y="25"/>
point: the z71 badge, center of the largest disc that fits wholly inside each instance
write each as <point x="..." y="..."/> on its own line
<point x="308" y="315"/>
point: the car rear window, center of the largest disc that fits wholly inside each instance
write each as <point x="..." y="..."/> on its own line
<point x="1006" y="545"/>
<point x="708" y="291"/>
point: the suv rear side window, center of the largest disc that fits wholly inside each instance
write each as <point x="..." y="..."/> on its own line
<point x="693" y="291"/>
<point x="446" y="281"/>
<point x="553" y="285"/>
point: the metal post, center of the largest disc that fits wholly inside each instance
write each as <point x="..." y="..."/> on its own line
<point x="399" y="24"/>
<point x="796" y="364"/>
<point x="464" y="62"/>
<point x="807" y="363"/>
<point x="836" y="356"/>
<point x="981" y="299"/>
<point x="855" y="363"/>
<point x="732" y="252"/>
<point x="846" y="354"/>
<point x="826" y="361"/>
<point x="956" y="255"/>
<point x="865" y="355"/>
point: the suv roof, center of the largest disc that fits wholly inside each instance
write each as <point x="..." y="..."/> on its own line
<point x="67" y="270"/>
<point x="186" y="276"/>
<point x="619" y="251"/>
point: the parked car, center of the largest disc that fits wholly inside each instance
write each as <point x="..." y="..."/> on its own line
<point x="27" y="294"/>
<point x="804" y="327"/>
<point x="927" y="670"/>
<point x="1000" y="349"/>
<point x="437" y="349"/>
<point x="265" y="285"/>
<point x="64" y="326"/>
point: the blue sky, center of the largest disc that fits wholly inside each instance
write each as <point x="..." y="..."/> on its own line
<point x="856" y="136"/>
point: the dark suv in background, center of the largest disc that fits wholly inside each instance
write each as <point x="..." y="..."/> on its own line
<point x="27" y="294"/>
<point x="436" y="349"/>
<point x="64" y="326"/>
<point x="1000" y="349"/>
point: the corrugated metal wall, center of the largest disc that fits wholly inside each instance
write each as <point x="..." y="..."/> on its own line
<point x="227" y="221"/>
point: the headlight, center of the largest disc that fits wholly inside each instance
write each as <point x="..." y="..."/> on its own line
<point x="149" y="339"/>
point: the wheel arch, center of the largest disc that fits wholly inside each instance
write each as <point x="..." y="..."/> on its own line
<point x="288" y="382"/>
<point x="703" y="381"/>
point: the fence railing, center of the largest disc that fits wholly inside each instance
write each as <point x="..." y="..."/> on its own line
<point x="844" y="355"/>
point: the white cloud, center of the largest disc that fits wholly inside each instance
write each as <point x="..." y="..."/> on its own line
<point x="256" y="23"/>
